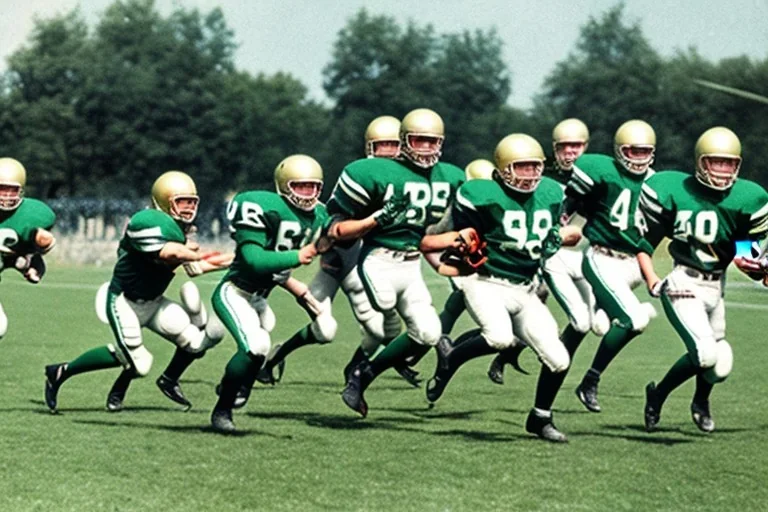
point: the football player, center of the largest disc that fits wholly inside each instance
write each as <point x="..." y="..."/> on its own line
<point x="154" y="244"/>
<point x="25" y="225"/>
<point x="704" y="215"/>
<point x="562" y="272"/>
<point x="338" y="270"/>
<point x="274" y="232"/>
<point x="605" y="191"/>
<point x="517" y="214"/>
<point x="389" y="204"/>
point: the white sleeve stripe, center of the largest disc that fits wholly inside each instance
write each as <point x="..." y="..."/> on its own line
<point x="463" y="201"/>
<point x="151" y="248"/>
<point x="143" y="233"/>
<point x="352" y="184"/>
<point x="762" y="212"/>
<point x="649" y="191"/>
<point x="759" y="227"/>
<point x="579" y="187"/>
<point x="351" y="193"/>
<point x="582" y="176"/>
<point x="650" y="205"/>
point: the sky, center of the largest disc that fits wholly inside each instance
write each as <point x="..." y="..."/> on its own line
<point x="297" y="36"/>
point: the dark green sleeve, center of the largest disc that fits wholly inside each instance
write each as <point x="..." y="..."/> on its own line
<point x="264" y="261"/>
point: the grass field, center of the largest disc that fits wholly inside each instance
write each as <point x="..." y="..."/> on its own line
<point x="302" y="449"/>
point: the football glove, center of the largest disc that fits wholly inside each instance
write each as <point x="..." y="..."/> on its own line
<point x="394" y="212"/>
<point x="469" y="250"/>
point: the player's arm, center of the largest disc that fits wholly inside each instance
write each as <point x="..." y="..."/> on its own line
<point x="44" y="240"/>
<point x="570" y="235"/>
<point x="209" y="262"/>
<point x="176" y="253"/>
<point x="577" y="193"/>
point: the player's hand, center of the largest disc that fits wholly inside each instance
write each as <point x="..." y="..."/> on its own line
<point x="656" y="287"/>
<point x="394" y="212"/>
<point x="307" y="254"/>
<point x="748" y="265"/>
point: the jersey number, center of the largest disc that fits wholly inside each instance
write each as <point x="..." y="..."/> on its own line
<point x="702" y="228"/>
<point x="424" y="196"/>
<point x="619" y="215"/>
<point x="516" y="229"/>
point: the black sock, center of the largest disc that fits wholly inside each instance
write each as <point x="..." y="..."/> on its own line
<point x="703" y="389"/>
<point x="472" y="348"/>
<point x="241" y="371"/>
<point x="123" y="381"/>
<point x="179" y="363"/>
<point x="549" y="383"/>
<point x="298" y="340"/>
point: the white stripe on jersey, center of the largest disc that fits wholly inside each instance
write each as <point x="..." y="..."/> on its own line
<point x="355" y="186"/>
<point x="759" y="221"/>
<point x="350" y="193"/>
<point x="145" y="233"/>
<point x="464" y="202"/>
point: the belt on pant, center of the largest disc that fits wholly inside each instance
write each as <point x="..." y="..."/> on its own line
<point x="612" y="252"/>
<point x="698" y="274"/>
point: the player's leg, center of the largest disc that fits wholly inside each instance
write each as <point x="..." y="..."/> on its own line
<point x="612" y="281"/>
<point x="233" y="307"/>
<point x="128" y="347"/>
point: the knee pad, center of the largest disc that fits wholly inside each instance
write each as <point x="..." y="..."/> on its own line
<point x="706" y="353"/>
<point x="324" y="326"/>
<point x="556" y="358"/>
<point x="601" y="324"/>
<point x="258" y="342"/>
<point x="424" y="325"/>
<point x="641" y="316"/>
<point x="3" y="322"/>
<point x="498" y="339"/>
<point x="192" y="304"/>
<point x="392" y="325"/>
<point x="358" y="300"/>
<point x="580" y="320"/>
<point x="724" y="364"/>
<point x="140" y="359"/>
<point x="101" y="303"/>
<point x="170" y="320"/>
<point x="190" y="339"/>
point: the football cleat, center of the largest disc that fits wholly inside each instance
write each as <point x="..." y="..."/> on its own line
<point x="353" y="391"/>
<point x="587" y="393"/>
<point x="115" y="401"/>
<point x="544" y="428"/>
<point x="701" y="416"/>
<point x="172" y="390"/>
<point x="443" y="373"/>
<point x="496" y="370"/>
<point x="274" y="376"/>
<point x="241" y="398"/>
<point x="652" y="407"/>
<point x="53" y="380"/>
<point x="221" y="421"/>
<point x="410" y="375"/>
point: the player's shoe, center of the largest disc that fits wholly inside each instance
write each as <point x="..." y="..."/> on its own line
<point x="53" y="380"/>
<point x="410" y="375"/>
<point x="356" y="384"/>
<point x="172" y="390"/>
<point x="221" y="421"/>
<point x="115" y="401"/>
<point x="587" y="393"/>
<point x="274" y="376"/>
<point x="496" y="370"/>
<point x="701" y="416"/>
<point x="544" y="428"/>
<point x="241" y="398"/>
<point x="443" y="373"/>
<point x="653" y="405"/>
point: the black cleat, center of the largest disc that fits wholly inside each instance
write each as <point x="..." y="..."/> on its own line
<point x="53" y="379"/>
<point x="544" y="428"/>
<point x="270" y="378"/>
<point x="241" y="398"/>
<point x="115" y="401"/>
<point x="443" y="373"/>
<point x="587" y="393"/>
<point x="410" y="375"/>
<point x="221" y="421"/>
<point x="172" y="390"/>
<point x="496" y="370"/>
<point x="353" y="391"/>
<point x="652" y="407"/>
<point x="701" y="416"/>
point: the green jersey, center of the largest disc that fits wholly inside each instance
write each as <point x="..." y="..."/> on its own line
<point x="703" y="223"/>
<point x="269" y="231"/>
<point x="139" y="273"/>
<point x="513" y="224"/>
<point x="365" y="185"/>
<point x="607" y="196"/>
<point x="18" y="228"/>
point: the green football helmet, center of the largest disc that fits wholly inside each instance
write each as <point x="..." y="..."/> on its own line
<point x="717" y="142"/>
<point x="480" y="169"/>
<point x="382" y="134"/>
<point x="170" y="189"/>
<point x="13" y="177"/>
<point x="631" y="135"/>
<point x="422" y="122"/>
<point x="518" y="149"/>
<point x="299" y="178"/>
<point x="569" y="131"/>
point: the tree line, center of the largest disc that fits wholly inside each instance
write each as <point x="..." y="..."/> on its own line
<point x="102" y="111"/>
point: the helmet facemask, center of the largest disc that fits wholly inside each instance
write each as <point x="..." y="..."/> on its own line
<point x="523" y="175"/>
<point x="422" y="153"/>
<point x="184" y="208"/>
<point x="636" y="164"/>
<point x="718" y="172"/>
<point x="304" y="194"/>
<point x="11" y="195"/>
<point x="383" y="148"/>
<point x="567" y="152"/>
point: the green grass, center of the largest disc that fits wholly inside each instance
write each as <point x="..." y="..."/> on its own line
<point x="302" y="449"/>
